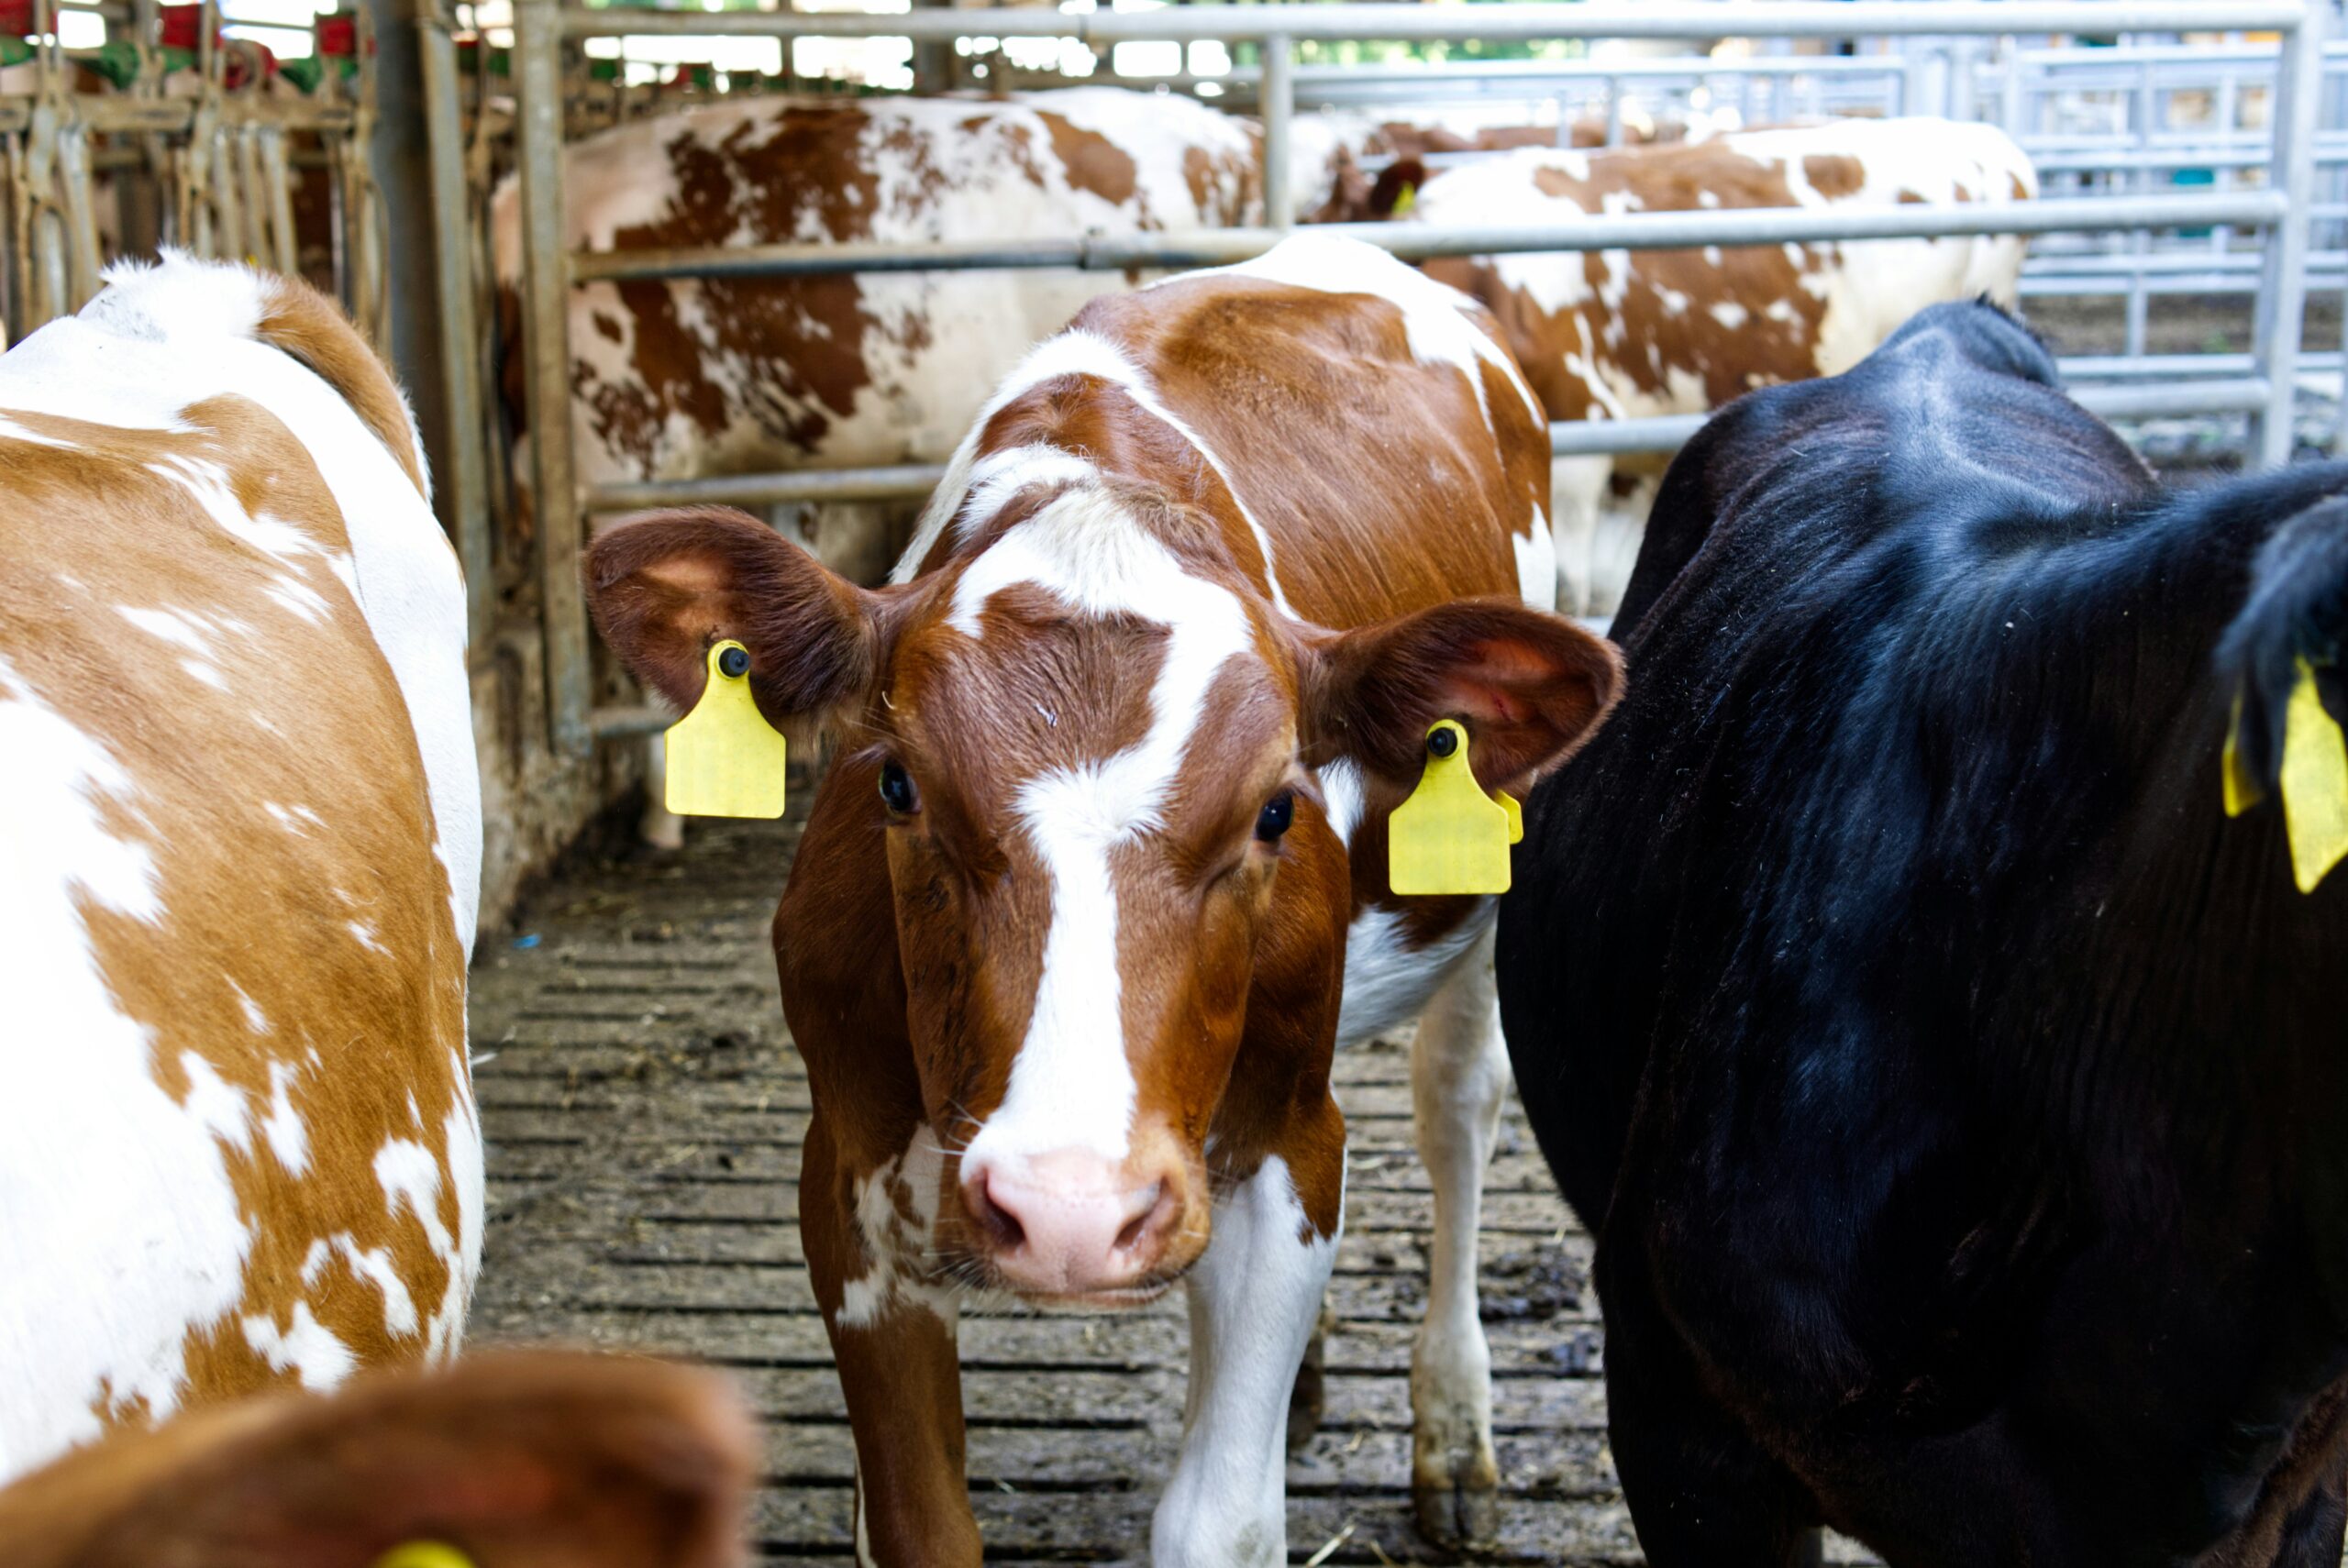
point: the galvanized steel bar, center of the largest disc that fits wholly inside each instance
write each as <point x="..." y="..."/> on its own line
<point x="885" y="483"/>
<point x="1418" y="241"/>
<point x="1533" y="19"/>
<point x="1278" y="114"/>
<point x="467" y="479"/>
<point x="546" y="287"/>
<point x="1592" y="437"/>
<point x="2282" y="298"/>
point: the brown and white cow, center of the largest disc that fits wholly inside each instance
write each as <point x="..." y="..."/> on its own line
<point x="1620" y="334"/>
<point x="516" y="1460"/>
<point x="239" y="864"/>
<point x="1099" y="882"/>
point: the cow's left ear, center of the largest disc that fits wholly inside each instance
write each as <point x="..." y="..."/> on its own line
<point x="1530" y="687"/>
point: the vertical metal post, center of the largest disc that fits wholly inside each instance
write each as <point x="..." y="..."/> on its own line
<point x="2141" y="245"/>
<point x="1279" y="105"/>
<point x="2282" y="294"/>
<point x="546" y="300"/>
<point x="466" y="475"/>
<point x="1613" y="114"/>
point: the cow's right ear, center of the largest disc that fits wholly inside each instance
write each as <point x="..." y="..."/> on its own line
<point x="664" y="588"/>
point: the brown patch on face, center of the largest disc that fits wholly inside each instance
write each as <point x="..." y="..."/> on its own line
<point x="304" y="967"/>
<point x="303" y="322"/>
<point x="1091" y="161"/>
<point x="1835" y="175"/>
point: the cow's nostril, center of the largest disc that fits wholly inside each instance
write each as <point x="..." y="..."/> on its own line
<point x="1000" y="1224"/>
<point x="1148" y="1213"/>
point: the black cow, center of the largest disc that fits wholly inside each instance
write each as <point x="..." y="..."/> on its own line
<point x="1958" y="1097"/>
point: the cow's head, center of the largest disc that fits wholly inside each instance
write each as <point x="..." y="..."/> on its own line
<point x="1098" y="754"/>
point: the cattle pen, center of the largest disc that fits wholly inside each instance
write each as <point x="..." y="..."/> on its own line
<point x="641" y="1102"/>
<point x="648" y="1129"/>
<point x="2264" y="389"/>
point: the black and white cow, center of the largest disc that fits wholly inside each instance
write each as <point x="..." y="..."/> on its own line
<point x="1958" y="1095"/>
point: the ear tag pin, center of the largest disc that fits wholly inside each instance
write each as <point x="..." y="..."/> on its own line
<point x="724" y="759"/>
<point x="2315" y="783"/>
<point x="1450" y="836"/>
<point x="424" y="1554"/>
<point x="2243" y="788"/>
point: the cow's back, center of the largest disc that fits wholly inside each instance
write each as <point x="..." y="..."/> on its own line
<point x="241" y="873"/>
<point x="1618" y="334"/>
<point x="1377" y="435"/>
<point x="675" y="379"/>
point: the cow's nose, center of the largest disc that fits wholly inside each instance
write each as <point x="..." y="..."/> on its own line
<point x="1072" y="1222"/>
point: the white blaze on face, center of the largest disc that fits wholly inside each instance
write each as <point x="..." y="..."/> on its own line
<point x="1071" y="1085"/>
<point x="959" y="500"/>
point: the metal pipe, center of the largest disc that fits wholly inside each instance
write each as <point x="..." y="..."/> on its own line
<point x="1278" y="114"/>
<point x="1418" y="241"/>
<point x="885" y="483"/>
<point x="1543" y="19"/>
<point x="467" y="477"/>
<point x="546" y="285"/>
<point x="2282" y="301"/>
<point x="1592" y="437"/>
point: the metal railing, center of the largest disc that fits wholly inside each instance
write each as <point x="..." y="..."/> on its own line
<point x="550" y="269"/>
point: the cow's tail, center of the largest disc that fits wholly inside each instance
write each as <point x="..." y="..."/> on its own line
<point x="298" y="320"/>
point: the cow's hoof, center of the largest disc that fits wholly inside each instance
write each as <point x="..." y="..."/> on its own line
<point x="1459" y="1503"/>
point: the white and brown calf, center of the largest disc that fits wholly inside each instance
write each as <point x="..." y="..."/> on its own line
<point x="238" y="864"/>
<point x="1100" y="880"/>
<point x="1621" y="334"/>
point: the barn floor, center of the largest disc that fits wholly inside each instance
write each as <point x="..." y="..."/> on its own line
<point x="644" y="1110"/>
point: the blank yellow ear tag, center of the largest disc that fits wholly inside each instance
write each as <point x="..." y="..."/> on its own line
<point x="2315" y="783"/>
<point x="724" y="759"/>
<point x="424" y="1554"/>
<point x="1449" y="836"/>
<point x="2243" y="790"/>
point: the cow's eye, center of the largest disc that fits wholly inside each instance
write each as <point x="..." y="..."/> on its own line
<point x="897" y="792"/>
<point x="1274" y="819"/>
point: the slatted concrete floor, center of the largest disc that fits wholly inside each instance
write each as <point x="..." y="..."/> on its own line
<point x="644" y="1110"/>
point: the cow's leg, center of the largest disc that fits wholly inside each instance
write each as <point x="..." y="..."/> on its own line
<point x="1255" y="1297"/>
<point x="893" y="1339"/>
<point x="659" y="827"/>
<point x="1458" y="1078"/>
<point x="2313" y="1536"/>
<point x="1703" y="1493"/>
<point x="1310" y="1397"/>
<point x="1576" y="490"/>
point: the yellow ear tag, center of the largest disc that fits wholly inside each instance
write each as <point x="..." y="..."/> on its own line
<point x="2243" y="789"/>
<point x="1403" y="203"/>
<point x="724" y="759"/>
<point x="424" y="1554"/>
<point x="1449" y="836"/>
<point x="2315" y="783"/>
